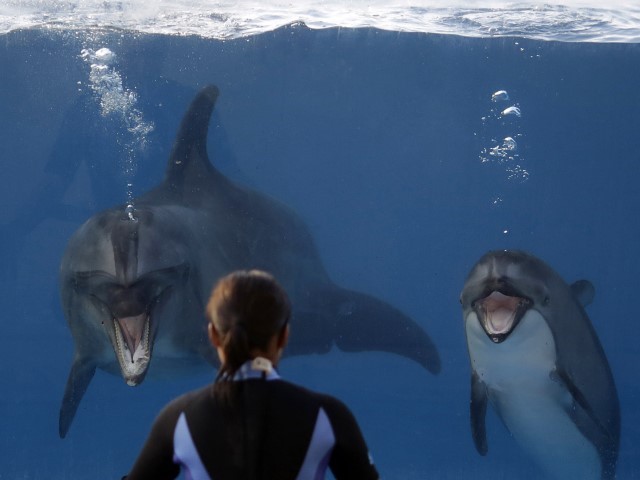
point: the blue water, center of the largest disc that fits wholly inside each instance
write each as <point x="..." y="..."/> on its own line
<point x="377" y="139"/>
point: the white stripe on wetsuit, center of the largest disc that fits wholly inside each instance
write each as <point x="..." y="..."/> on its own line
<point x="319" y="450"/>
<point x="185" y="453"/>
<point x="316" y="459"/>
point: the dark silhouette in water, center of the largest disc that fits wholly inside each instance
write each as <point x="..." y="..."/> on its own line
<point x="135" y="282"/>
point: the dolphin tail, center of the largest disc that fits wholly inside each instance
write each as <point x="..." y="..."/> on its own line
<point x="366" y="323"/>
<point x="79" y="378"/>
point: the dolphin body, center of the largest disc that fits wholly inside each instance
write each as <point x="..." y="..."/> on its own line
<point x="536" y="359"/>
<point x="134" y="281"/>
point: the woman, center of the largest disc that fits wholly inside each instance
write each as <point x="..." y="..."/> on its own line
<point x="250" y="424"/>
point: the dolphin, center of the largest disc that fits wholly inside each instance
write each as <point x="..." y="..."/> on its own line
<point x="536" y="358"/>
<point x="134" y="279"/>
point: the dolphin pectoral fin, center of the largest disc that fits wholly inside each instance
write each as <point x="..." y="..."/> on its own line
<point x="576" y="394"/>
<point x="599" y="433"/>
<point x="583" y="414"/>
<point x="365" y="323"/>
<point x="584" y="291"/>
<point x="80" y="376"/>
<point x="478" y="407"/>
<point x="562" y="376"/>
<point x="592" y="427"/>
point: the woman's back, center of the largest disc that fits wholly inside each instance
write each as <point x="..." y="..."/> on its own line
<point x="249" y="424"/>
<point x="272" y="430"/>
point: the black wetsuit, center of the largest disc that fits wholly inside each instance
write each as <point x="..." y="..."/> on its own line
<point x="274" y="430"/>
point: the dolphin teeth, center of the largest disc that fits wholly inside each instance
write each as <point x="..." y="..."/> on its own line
<point x="500" y="313"/>
<point x="500" y="320"/>
<point x="132" y="346"/>
<point x="132" y="329"/>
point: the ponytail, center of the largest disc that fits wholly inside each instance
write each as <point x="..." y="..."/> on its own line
<point x="246" y="308"/>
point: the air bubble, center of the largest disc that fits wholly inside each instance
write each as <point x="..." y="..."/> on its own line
<point x="509" y="144"/>
<point x="500" y="96"/>
<point x="130" y="211"/>
<point x="511" y="111"/>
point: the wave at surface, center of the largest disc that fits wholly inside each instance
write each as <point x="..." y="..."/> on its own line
<point x="572" y="21"/>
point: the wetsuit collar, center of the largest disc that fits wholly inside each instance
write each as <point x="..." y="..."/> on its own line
<point x="259" y="367"/>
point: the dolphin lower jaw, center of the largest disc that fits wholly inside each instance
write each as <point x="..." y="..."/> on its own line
<point x="500" y="312"/>
<point x="133" y="350"/>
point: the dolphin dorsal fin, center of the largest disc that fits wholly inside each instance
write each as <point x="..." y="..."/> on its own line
<point x="584" y="291"/>
<point x="190" y="147"/>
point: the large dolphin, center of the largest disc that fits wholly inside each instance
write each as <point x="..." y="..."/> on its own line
<point x="536" y="359"/>
<point x="134" y="281"/>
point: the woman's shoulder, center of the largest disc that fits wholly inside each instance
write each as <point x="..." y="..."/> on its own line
<point x="330" y="404"/>
<point x="180" y="404"/>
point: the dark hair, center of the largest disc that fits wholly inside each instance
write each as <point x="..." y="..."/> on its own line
<point x="247" y="308"/>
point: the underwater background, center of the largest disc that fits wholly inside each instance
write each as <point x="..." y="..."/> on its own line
<point x="388" y="144"/>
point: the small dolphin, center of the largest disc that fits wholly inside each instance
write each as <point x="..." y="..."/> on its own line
<point x="134" y="280"/>
<point x="536" y="359"/>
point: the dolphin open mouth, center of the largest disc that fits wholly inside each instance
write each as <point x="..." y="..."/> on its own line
<point x="133" y="348"/>
<point x="500" y="313"/>
<point x="129" y="312"/>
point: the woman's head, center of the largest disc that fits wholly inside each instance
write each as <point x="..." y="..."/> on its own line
<point x="248" y="311"/>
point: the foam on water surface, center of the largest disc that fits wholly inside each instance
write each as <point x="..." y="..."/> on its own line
<point x="571" y="20"/>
